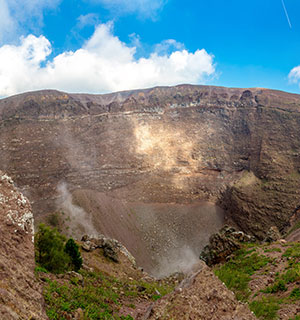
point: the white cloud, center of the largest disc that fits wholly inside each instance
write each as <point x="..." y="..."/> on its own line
<point x="294" y="75"/>
<point x="19" y="16"/>
<point x="89" y="19"/>
<point x="145" y="8"/>
<point x="103" y="64"/>
<point x="168" y="45"/>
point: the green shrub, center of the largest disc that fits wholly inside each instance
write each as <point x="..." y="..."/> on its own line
<point x="53" y="253"/>
<point x="235" y="280"/>
<point x="277" y="286"/>
<point x="71" y="248"/>
<point x="49" y="249"/>
<point x="295" y="294"/>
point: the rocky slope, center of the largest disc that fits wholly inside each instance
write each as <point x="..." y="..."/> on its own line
<point x="108" y="289"/>
<point x="266" y="276"/>
<point x="200" y="296"/>
<point x="238" y="149"/>
<point x="20" y="294"/>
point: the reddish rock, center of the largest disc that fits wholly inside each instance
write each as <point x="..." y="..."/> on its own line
<point x="20" y="293"/>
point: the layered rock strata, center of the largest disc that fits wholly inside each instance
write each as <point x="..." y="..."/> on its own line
<point x="237" y="148"/>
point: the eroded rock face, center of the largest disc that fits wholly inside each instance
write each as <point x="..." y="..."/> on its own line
<point x="201" y="296"/>
<point x="239" y="148"/>
<point x="20" y="294"/>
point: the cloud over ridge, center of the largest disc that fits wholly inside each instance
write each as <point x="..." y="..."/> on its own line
<point x="102" y="64"/>
<point x="294" y="75"/>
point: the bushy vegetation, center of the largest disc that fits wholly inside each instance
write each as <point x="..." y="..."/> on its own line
<point x="293" y="252"/>
<point x="54" y="253"/>
<point x="295" y="294"/>
<point x="71" y="248"/>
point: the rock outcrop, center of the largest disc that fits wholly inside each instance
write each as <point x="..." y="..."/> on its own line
<point x="110" y="247"/>
<point x="272" y="235"/>
<point x="20" y="293"/>
<point x="223" y="243"/>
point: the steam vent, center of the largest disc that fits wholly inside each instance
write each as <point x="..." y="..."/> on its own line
<point x="160" y="169"/>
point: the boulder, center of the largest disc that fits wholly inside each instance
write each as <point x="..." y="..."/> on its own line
<point x="111" y="247"/>
<point x="272" y="235"/>
<point x="222" y="244"/>
<point x="110" y="250"/>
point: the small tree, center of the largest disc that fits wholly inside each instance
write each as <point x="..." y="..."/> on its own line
<point x="71" y="248"/>
<point x="50" y="253"/>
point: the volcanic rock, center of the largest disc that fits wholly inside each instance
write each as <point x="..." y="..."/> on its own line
<point x="222" y="244"/>
<point x="20" y="293"/>
<point x="110" y="247"/>
<point x="272" y="235"/>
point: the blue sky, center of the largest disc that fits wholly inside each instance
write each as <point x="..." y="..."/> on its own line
<point x="108" y="45"/>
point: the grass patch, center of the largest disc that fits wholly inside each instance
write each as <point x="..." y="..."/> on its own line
<point x="293" y="252"/>
<point x="266" y="308"/>
<point x="236" y="273"/>
<point x="272" y="250"/>
<point x="100" y="297"/>
<point x="292" y="274"/>
<point x="38" y="269"/>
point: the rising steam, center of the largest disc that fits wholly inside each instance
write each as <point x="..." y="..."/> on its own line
<point x="181" y="259"/>
<point x="78" y="221"/>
